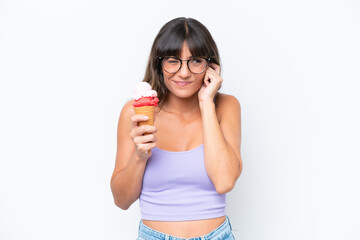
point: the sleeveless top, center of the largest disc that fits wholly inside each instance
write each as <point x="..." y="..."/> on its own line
<point x="176" y="187"/>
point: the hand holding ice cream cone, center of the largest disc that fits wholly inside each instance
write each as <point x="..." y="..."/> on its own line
<point x="145" y="101"/>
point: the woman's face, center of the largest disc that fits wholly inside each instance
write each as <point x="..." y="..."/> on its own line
<point x="191" y="82"/>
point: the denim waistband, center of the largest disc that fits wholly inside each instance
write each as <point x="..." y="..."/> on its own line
<point x="220" y="232"/>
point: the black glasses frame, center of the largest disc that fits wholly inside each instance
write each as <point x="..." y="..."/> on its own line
<point x="187" y="63"/>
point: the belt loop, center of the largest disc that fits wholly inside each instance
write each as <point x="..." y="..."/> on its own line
<point x="203" y="238"/>
<point x="167" y="237"/>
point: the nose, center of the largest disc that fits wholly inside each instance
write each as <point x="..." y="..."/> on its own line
<point x="184" y="71"/>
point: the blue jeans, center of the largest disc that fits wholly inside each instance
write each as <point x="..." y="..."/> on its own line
<point x="223" y="232"/>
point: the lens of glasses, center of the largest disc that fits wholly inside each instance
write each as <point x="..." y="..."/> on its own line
<point x="195" y="64"/>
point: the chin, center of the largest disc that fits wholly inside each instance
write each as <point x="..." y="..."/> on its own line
<point x="185" y="95"/>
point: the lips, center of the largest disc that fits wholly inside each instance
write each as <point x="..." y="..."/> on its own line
<point x="182" y="83"/>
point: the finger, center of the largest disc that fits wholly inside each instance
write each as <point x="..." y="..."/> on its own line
<point x="213" y="70"/>
<point x="139" y="131"/>
<point x="145" y="129"/>
<point x="207" y="79"/>
<point x="211" y="77"/>
<point x="214" y="77"/>
<point x="215" y="67"/>
<point x="145" y="139"/>
<point x="138" y="118"/>
<point x="146" y="147"/>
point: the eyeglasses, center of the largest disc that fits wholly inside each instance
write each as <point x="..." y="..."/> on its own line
<point x="195" y="64"/>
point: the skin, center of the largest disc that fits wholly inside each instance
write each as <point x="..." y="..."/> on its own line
<point x="198" y="121"/>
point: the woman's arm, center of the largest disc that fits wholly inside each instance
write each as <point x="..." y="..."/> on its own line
<point x="126" y="181"/>
<point x="222" y="142"/>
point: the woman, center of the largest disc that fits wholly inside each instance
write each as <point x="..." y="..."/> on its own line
<point x="195" y="141"/>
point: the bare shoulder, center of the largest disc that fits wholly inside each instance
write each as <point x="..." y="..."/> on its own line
<point x="227" y="104"/>
<point x="124" y="124"/>
<point x="127" y="108"/>
<point x="125" y="117"/>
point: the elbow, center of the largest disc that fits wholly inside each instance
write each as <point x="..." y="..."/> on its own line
<point x="121" y="202"/>
<point x="226" y="185"/>
<point x="120" y="199"/>
<point x="122" y="205"/>
<point x="224" y="188"/>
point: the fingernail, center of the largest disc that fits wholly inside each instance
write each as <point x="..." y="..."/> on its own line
<point x="146" y="117"/>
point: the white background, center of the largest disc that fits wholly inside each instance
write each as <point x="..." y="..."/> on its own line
<point x="67" y="68"/>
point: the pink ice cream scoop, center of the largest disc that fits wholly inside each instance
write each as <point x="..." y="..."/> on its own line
<point x="144" y="96"/>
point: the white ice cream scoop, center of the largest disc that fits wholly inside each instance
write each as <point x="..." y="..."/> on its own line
<point x="143" y="89"/>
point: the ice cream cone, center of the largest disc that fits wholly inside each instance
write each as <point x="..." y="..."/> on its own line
<point x="148" y="111"/>
<point x="145" y="101"/>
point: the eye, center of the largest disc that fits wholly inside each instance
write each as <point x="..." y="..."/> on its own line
<point x="196" y="60"/>
<point x="172" y="60"/>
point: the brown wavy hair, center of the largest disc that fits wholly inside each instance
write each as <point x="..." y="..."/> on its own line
<point x="169" y="41"/>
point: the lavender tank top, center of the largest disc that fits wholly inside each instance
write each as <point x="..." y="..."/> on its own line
<point x="176" y="187"/>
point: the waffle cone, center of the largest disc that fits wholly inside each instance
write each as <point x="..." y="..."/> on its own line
<point x="147" y="111"/>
